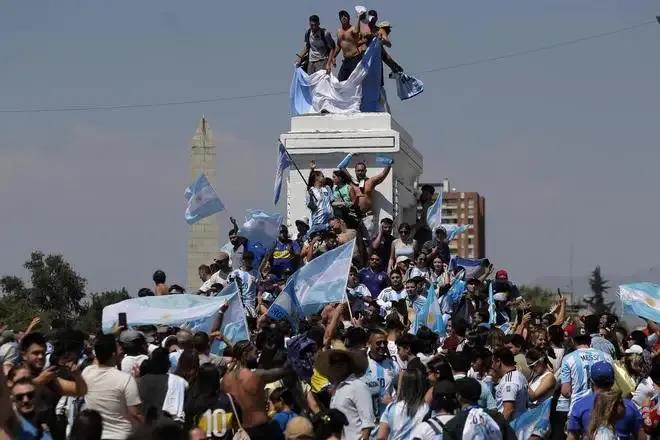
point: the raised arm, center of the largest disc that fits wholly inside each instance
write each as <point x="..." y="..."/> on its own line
<point x="561" y="315"/>
<point x="375" y="244"/>
<point x="376" y="180"/>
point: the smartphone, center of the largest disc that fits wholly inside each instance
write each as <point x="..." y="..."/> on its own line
<point x="121" y="319"/>
<point x="559" y="293"/>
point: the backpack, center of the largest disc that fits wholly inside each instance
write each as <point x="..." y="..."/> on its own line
<point x="437" y="426"/>
<point x="323" y="33"/>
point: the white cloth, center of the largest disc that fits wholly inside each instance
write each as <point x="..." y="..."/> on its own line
<point x="175" y="397"/>
<point x="111" y="392"/>
<point x="645" y="391"/>
<point x="480" y="426"/>
<point x="534" y="386"/>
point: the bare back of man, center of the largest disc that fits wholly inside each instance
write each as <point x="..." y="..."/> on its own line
<point x="248" y="389"/>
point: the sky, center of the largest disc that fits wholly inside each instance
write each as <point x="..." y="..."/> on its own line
<point x="562" y="143"/>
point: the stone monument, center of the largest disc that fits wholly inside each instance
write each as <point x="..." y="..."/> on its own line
<point x="327" y="138"/>
<point x="203" y="235"/>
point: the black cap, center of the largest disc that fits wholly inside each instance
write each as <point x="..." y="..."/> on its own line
<point x="469" y="389"/>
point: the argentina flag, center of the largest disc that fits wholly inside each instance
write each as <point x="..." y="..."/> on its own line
<point x="454" y="230"/>
<point x="283" y="163"/>
<point x="473" y="266"/>
<point x="641" y="299"/>
<point x="430" y="315"/>
<point x="434" y="213"/>
<point x="202" y="201"/>
<point x="492" y="317"/>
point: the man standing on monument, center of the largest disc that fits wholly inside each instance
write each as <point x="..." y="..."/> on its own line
<point x="319" y="51"/>
<point x="348" y="39"/>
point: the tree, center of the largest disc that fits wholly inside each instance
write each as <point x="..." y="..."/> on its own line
<point x="55" y="285"/>
<point x="90" y="320"/>
<point x="599" y="287"/>
<point x="539" y="297"/>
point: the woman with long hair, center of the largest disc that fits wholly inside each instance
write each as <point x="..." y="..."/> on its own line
<point x="207" y="407"/>
<point x="542" y="383"/>
<point x="421" y="267"/>
<point x="188" y="364"/>
<point x="404" y="246"/>
<point x="409" y="410"/>
<point x="608" y="408"/>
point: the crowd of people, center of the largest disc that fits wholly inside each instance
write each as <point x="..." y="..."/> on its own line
<point x="362" y="368"/>
<point x="356" y="370"/>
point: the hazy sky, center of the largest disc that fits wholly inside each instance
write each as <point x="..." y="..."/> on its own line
<point x="563" y="144"/>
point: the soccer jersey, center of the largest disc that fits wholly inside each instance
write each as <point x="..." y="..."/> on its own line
<point x="512" y="388"/>
<point x="576" y="370"/>
<point x="399" y="422"/>
<point x="389" y="295"/>
<point x="380" y="377"/>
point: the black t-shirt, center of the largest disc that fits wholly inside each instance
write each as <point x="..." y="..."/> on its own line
<point x="216" y="418"/>
<point x="152" y="389"/>
<point x="384" y="249"/>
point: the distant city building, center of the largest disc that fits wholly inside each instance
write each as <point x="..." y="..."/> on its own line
<point x="464" y="208"/>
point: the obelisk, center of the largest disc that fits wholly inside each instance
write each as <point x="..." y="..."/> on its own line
<point x="203" y="235"/>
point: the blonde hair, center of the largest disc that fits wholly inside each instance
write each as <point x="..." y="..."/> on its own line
<point x="604" y="412"/>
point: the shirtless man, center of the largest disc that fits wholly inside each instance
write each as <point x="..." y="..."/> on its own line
<point x="344" y="235"/>
<point x="362" y="193"/>
<point x="246" y="385"/>
<point x="369" y="31"/>
<point x="348" y="38"/>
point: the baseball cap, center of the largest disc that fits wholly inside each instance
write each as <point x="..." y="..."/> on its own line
<point x="602" y="374"/>
<point x="634" y="349"/>
<point x="402" y="258"/>
<point x="501" y="275"/>
<point x="130" y="336"/>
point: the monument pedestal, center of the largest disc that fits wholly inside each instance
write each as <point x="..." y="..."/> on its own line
<point x="327" y="138"/>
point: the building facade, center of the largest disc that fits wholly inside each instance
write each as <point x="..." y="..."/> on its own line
<point x="464" y="208"/>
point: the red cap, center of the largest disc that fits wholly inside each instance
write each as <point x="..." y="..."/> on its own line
<point x="501" y="275"/>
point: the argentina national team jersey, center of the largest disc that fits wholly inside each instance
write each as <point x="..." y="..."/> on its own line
<point x="576" y="370"/>
<point x="512" y="388"/>
<point x="380" y="377"/>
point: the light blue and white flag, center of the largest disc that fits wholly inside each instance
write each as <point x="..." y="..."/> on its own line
<point x="457" y="288"/>
<point x="454" y="230"/>
<point x="641" y="299"/>
<point x="261" y="227"/>
<point x="383" y="160"/>
<point x="506" y="328"/>
<point x="492" y="317"/>
<point x="472" y="266"/>
<point x="283" y="163"/>
<point x="321" y="91"/>
<point x="430" y="315"/>
<point x="323" y="280"/>
<point x="201" y="200"/>
<point x="434" y="213"/>
<point x="407" y="86"/>
<point x="535" y="421"/>
<point x="345" y="161"/>
<point x="191" y="311"/>
<point x="320" y="282"/>
<point x="234" y="325"/>
<point x="286" y="307"/>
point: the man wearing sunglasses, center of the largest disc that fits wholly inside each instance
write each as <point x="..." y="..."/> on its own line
<point x="22" y="393"/>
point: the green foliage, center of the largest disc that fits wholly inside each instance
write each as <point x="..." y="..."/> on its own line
<point x="90" y="320"/>
<point x="538" y="297"/>
<point x="56" y="292"/>
<point x="599" y="288"/>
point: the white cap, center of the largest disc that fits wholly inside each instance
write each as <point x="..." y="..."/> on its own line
<point x="360" y="9"/>
<point x="500" y="296"/>
<point x="634" y="349"/>
<point x="401" y="258"/>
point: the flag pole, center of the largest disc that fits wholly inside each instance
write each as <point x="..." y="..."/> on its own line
<point x="296" y="166"/>
<point x="348" y="304"/>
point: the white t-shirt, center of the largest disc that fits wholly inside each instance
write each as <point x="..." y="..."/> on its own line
<point x="512" y="388"/>
<point x="131" y="362"/>
<point x="352" y="397"/>
<point x="111" y="392"/>
<point x="400" y="423"/>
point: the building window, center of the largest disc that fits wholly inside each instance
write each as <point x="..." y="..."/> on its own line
<point x="470" y="220"/>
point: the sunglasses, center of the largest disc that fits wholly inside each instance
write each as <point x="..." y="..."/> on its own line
<point x="22" y="396"/>
<point x="401" y="231"/>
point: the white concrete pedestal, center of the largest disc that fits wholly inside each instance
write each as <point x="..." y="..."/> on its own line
<point x="327" y="138"/>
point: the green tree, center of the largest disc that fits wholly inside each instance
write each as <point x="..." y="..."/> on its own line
<point x="56" y="287"/>
<point x="539" y="297"/>
<point x="90" y="320"/>
<point x="599" y="288"/>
